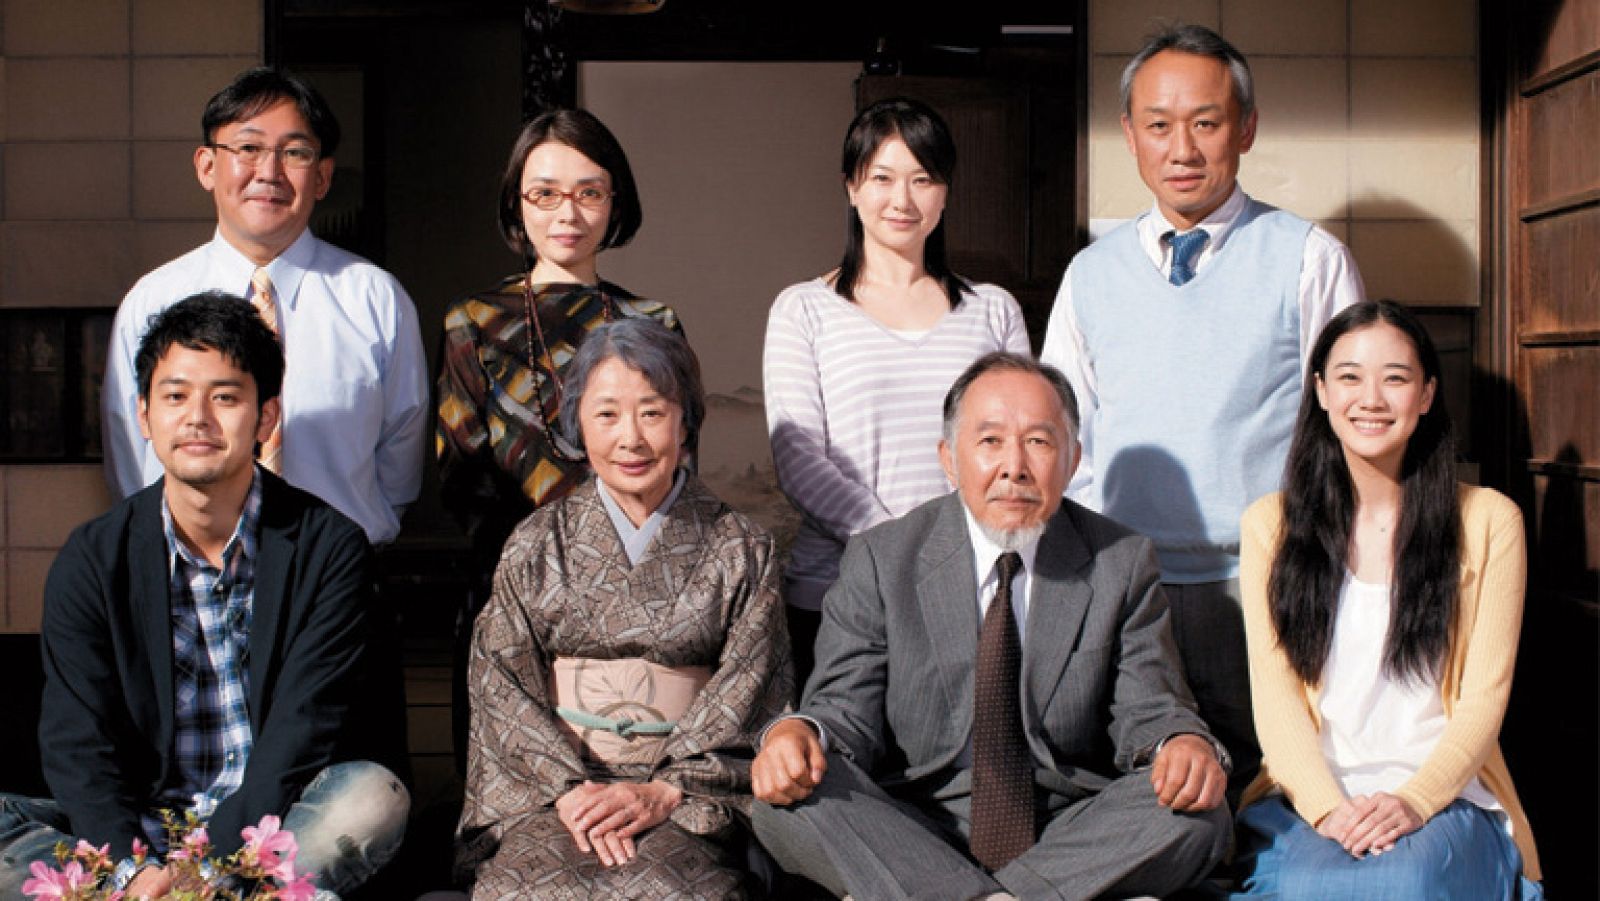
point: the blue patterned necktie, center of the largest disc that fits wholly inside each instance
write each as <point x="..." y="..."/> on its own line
<point x="1185" y="250"/>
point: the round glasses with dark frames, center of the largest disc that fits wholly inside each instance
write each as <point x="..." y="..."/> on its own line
<point x="590" y="197"/>
<point x="251" y="154"/>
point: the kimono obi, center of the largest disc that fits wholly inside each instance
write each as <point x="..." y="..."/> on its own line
<point x="621" y="711"/>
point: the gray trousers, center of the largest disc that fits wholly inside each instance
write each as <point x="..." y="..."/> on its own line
<point x="1208" y="627"/>
<point x="850" y="836"/>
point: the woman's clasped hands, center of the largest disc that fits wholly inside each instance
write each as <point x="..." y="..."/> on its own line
<point x="1369" y="823"/>
<point x="604" y="817"/>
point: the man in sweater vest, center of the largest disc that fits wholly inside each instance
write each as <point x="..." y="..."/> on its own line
<point x="1184" y="333"/>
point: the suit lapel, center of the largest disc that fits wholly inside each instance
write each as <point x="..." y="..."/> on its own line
<point x="947" y="592"/>
<point x="280" y="524"/>
<point x="1057" y="602"/>
<point x="150" y="600"/>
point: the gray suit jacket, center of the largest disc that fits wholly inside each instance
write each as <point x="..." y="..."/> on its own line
<point x="1101" y="681"/>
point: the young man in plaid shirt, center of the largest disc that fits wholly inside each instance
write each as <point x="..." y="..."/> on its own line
<point x="204" y="642"/>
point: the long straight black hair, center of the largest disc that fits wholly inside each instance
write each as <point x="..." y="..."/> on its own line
<point x="1319" y="510"/>
<point x="928" y="139"/>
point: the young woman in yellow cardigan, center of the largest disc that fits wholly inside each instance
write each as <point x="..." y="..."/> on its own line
<point x="1382" y="606"/>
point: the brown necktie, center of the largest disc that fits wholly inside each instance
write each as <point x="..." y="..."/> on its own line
<point x="1002" y="773"/>
<point x="263" y="298"/>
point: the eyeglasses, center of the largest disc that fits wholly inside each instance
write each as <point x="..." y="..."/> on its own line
<point x="250" y="154"/>
<point x="546" y="198"/>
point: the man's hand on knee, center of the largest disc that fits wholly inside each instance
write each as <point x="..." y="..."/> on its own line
<point x="152" y="882"/>
<point x="1186" y="775"/>
<point x="791" y="763"/>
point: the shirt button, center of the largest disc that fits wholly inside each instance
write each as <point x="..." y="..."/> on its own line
<point x="232" y="756"/>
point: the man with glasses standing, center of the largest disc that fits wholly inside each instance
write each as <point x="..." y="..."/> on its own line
<point x="355" y="403"/>
<point x="355" y="394"/>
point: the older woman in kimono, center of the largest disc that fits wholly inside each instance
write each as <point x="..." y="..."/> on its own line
<point x="633" y="646"/>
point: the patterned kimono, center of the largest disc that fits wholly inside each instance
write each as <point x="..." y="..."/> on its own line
<point x="495" y="459"/>
<point x="705" y="593"/>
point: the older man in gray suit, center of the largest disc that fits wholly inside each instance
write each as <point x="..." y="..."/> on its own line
<point x="949" y="747"/>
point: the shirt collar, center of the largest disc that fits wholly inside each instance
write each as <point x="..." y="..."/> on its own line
<point x="246" y="532"/>
<point x="286" y="270"/>
<point x="1153" y="225"/>
<point x="986" y="552"/>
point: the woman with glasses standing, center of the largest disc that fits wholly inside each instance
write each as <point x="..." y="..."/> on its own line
<point x="857" y="361"/>
<point x="567" y="194"/>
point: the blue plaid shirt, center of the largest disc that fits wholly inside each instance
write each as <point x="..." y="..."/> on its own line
<point x="211" y="613"/>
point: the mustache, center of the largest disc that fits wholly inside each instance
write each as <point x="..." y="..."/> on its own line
<point x="1013" y="492"/>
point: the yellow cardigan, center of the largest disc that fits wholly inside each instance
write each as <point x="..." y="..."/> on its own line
<point x="1475" y="683"/>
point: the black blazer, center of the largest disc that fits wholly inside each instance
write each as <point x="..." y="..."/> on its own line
<point x="105" y="731"/>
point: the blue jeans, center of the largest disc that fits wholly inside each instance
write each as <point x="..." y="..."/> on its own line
<point x="1462" y="852"/>
<point x="348" y="823"/>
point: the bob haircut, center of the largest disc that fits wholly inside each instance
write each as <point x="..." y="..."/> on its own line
<point x="929" y="140"/>
<point x="254" y="91"/>
<point x="580" y="130"/>
<point x="1319" y="509"/>
<point x="661" y="355"/>
<point x="1196" y="40"/>
<point x="225" y="323"/>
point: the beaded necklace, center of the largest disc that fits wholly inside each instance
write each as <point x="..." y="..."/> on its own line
<point x="558" y="443"/>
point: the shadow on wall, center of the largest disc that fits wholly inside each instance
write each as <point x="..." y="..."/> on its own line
<point x="1557" y="681"/>
<point x="736" y="462"/>
<point x="1408" y="255"/>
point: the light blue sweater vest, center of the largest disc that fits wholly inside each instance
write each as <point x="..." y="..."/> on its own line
<point x="1198" y="385"/>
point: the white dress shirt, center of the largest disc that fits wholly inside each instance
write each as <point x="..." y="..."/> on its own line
<point x="355" y="393"/>
<point x="1329" y="282"/>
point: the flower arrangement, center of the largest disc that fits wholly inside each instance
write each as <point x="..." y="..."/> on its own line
<point x="262" y="870"/>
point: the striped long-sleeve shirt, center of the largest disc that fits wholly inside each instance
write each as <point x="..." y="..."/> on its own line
<point x="853" y="412"/>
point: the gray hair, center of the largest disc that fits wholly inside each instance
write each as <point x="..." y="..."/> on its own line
<point x="1006" y="361"/>
<point x="1199" y="41"/>
<point x="661" y="355"/>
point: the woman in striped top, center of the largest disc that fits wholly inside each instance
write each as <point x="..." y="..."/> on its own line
<point x="857" y="361"/>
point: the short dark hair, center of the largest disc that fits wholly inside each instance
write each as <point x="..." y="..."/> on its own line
<point x="254" y="91"/>
<point x="1007" y="361"/>
<point x="214" y="320"/>
<point x="580" y="130"/>
<point x="1199" y="41"/>
<point x="659" y="353"/>
<point x="928" y="138"/>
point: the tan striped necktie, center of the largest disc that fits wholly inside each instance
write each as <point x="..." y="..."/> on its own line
<point x="264" y="299"/>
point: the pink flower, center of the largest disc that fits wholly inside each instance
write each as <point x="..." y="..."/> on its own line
<point x="195" y="845"/>
<point x="140" y="849"/>
<point x="272" y="848"/>
<point x="52" y="885"/>
<point x="300" y="889"/>
<point x="92" y="857"/>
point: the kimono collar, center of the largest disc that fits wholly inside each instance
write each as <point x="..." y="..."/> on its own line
<point x="636" y="540"/>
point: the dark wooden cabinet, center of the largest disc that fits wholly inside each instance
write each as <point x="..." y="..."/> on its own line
<point x="1540" y="373"/>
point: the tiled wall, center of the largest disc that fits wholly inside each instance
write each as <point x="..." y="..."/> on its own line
<point x="99" y="115"/>
<point x="1369" y="125"/>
